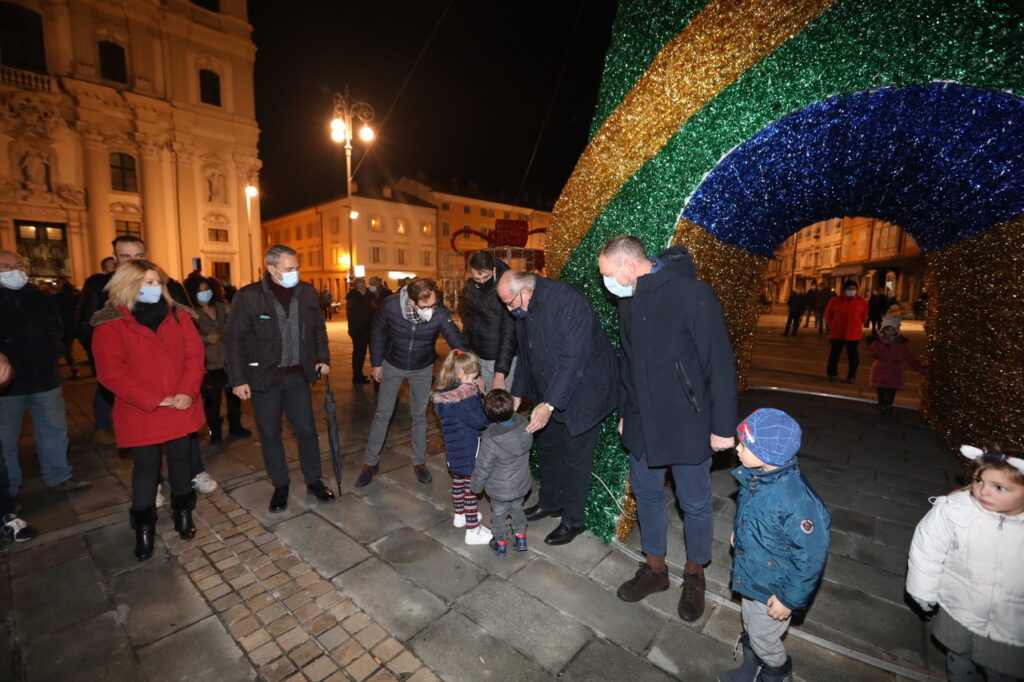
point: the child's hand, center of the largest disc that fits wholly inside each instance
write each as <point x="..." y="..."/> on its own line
<point x="732" y="539"/>
<point x="778" y="610"/>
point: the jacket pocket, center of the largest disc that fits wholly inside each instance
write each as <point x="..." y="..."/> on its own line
<point x="684" y="380"/>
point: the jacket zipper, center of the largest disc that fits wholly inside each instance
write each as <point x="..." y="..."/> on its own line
<point x="687" y="386"/>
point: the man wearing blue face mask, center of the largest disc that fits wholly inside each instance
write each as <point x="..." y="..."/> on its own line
<point x="276" y="345"/>
<point x="677" y="404"/>
<point x="569" y="371"/>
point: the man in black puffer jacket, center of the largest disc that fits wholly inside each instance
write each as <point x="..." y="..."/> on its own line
<point x="568" y="369"/>
<point x="489" y="327"/>
<point x="402" y="347"/>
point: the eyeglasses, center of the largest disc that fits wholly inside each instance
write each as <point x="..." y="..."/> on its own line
<point x="432" y="306"/>
<point x="4" y="267"/>
<point x="508" y="304"/>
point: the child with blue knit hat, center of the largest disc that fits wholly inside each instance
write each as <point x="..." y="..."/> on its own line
<point x="780" y="542"/>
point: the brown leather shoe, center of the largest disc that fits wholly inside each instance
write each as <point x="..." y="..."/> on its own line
<point x="646" y="581"/>
<point x="691" y="600"/>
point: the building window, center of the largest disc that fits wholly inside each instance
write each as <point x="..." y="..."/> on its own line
<point x="400" y="226"/>
<point x="485" y="229"/>
<point x="427" y="229"/>
<point x="209" y="87"/>
<point x="446" y="229"/>
<point x="216" y="234"/>
<point x="132" y="227"/>
<point x="400" y="256"/>
<point x="465" y="209"/>
<point x="445" y="206"/>
<point x="427" y="258"/>
<point x="212" y="5"/>
<point x="21" y="38"/>
<point x="335" y="225"/>
<point x="376" y="224"/>
<point x="523" y="217"/>
<point x="508" y="214"/>
<point x="286" y="236"/>
<point x="466" y="235"/>
<point x="374" y="254"/>
<point x="113" y="66"/>
<point x="222" y="271"/>
<point x="122" y="173"/>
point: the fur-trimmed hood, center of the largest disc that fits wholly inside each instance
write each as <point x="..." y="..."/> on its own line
<point x="111" y="312"/>
<point x="456" y="393"/>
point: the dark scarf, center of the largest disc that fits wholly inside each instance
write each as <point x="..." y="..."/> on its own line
<point x="150" y="314"/>
<point x="283" y="294"/>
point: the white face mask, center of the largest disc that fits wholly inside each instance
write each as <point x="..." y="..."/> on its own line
<point x="14" y="279"/>
<point x="150" y="294"/>
<point x="851" y="292"/>
<point x="204" y="296"/>
<point x="620" y="290"/>
<point x="425" y="313"/>
<point x="288" y="279"/>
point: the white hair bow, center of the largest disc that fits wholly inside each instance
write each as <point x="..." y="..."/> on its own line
<point x="972" y="453"/>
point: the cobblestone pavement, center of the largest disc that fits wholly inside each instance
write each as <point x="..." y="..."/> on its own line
<point x="378" y="585"/>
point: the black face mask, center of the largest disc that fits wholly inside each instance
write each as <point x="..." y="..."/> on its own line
<point x="486" y="286"/>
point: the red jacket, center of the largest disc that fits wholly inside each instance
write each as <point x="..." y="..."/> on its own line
<point x="887" y="369"/>
<point x="142" y="367"/>
<point x="845" y="317"/>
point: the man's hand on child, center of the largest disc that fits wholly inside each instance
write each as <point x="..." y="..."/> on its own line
<point x="778" y="610"/>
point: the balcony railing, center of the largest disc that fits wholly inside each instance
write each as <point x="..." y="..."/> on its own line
<point x="26" y="80"/>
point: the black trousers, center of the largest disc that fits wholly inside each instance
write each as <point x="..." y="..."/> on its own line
<point x="852" y="357"/>
<point x="886" y="396"/>
<point x="146" y="471"/>
<point x="360" y="343"/>
<point x="6" y="501"/>
<point x="565" y="464"/>
<point x="215" y="384"/>
<point x="794" y="321"/>
<point x="291" y="398"/>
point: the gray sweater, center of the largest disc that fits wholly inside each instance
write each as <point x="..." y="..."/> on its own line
<point x="503" y="461"/>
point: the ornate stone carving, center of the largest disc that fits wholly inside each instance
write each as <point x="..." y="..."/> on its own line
<point x="71" y="196"/>
<point x="34" y="166"/>
<point x="185" y="152"/>
<point x="150" y="145"/>
<point x="28" y="113"/>
<point x="214" y="219"/>
<point x="125" y="210"/>
<point x="215" y="184"/>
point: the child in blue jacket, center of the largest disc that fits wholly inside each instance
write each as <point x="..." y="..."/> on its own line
<point x="459" y="404"/>
<point x="780" y="542"/>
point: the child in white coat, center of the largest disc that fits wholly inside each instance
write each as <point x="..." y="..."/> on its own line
<point x="966" y="558"/>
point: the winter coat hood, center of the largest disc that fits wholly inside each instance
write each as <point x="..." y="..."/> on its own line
<point x="512" y="438"/>
<point x="503" y="462"/>
<point x="675" y="264"/>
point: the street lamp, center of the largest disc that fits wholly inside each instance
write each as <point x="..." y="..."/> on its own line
<point x="345" y="112"/>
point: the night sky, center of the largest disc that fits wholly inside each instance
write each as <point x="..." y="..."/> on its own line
<point x="472" y="110"/>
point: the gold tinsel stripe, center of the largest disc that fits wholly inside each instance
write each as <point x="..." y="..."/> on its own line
<point x="724" y="40"/>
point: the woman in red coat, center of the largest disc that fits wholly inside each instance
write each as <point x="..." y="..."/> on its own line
<point x="891" y="351"/>
<point x="149" y="355"/>
<point x="845" y="316"/>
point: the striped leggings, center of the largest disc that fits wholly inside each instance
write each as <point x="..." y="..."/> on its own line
<point x="464" y="501"/>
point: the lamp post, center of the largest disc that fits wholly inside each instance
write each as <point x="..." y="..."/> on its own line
<point x="345" y="112"/>
<point x="251" y="193"/>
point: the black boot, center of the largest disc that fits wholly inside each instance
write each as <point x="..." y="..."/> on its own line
<point x="144" y="523"/>
<point x="216" y="434"/>
<point x="748" y="669"/>
<point x="181" y="511"/>
<point x="235" y="428"/>
<point x="778" y="673"/>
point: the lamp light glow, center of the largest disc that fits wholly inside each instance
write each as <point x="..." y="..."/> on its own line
<point x="251" y="191"/>
<point x="366" y="134"/>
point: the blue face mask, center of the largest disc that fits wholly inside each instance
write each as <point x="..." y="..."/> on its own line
<point x="519" y="313"/>
<point x="204" y="296"/>
<point x="150" y="294"/>
<point x="288" y="279"/>
<point x="620" y="290"/>
<point x="373" y="288"/>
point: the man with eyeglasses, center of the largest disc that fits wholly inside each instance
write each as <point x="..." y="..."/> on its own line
<point x="569" y="371"/>
<point x="30" y="337"/>
<point x="402" y="348"/>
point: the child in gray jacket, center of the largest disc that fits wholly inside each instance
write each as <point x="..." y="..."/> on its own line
<point x="503" y="469"/>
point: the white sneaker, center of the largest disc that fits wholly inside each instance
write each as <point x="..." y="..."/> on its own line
<point x="203" y="483"/>
<point x="477" y="536"/>
<point x="459" y="521"/>
<point x="160" y="501"/>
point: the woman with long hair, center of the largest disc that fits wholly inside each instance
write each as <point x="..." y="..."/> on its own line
<point x="150" y="356"/>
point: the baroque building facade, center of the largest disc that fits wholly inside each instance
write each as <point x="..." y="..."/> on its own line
<point x="128" y="118"/>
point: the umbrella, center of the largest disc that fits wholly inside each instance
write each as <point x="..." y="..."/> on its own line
<point x="332" y="430"/>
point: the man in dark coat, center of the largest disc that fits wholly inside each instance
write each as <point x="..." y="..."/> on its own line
<point x="360" y="318"/>
<point x="796" y="303"/>
<point x="488" y="326"/>
<point x="821" y="296"/>
<point x="568" y="369"/>
<point x="276" y="346"/>
<point x="677" y="406"/>
<point x="402" y="348"/>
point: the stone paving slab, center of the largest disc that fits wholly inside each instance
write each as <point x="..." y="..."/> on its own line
<point x="58" y="597"/>
<point x="604" y="662"/>
<point x="100" y="652"/>
<point x="682" y="651"/>
<point x="321" y="544"/>
<point x="454" y="539"/>
<point x="156" y="600"/>
<point x="427" y="562"/>
<point x="202" y="651"/>
<point x="365" y="520"/>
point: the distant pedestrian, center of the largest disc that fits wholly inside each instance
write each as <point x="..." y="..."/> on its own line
<point x="458" y="404"/>
<point x="149" y="354"/>
<point x="878" y="305"/>
<point x="845" y="316"/>
<point x="965" y="559"/>
<point x="377" y="291"/>
<point x="891" y="351"/>
<point x="108" y="264"/>
<point x="795" y="304"/>
<point x="30" y="338"/>
<point x="920" y="306"/>
<point x="327" y="303"/>
<point x="359" y="315"/>
<point x="808" y="303"/>
<point x="780" y="538"/>
<point x="67" y="303"/>
<point x="12" y="528"/>
<point x="503" y="470"/>
<point x="821" y="296"/>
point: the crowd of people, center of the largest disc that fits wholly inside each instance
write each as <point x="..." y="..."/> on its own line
<point x="167" y="355"/>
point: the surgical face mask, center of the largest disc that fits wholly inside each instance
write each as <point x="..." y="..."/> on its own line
<point x="425" y="313"/>
<point x="288" y="279"/>
<point x="851" y="292"/>
<point x="204" y="296"/>
<point x="620" y="290"/>
<point x="13" y="279"/>
<point x="373" y="288"/>
<point x="519" y="313"/>
<point x="150" y="294"/>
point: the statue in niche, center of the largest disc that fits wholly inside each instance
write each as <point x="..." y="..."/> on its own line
<point x="35" y="171"/>
<point x="216" y="187"/>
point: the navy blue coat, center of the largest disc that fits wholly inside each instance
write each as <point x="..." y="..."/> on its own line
<point x="461" y="410"/>
<point x="30" y="337"/>
<point x="678" y="368"/>
<point x="781" y="534"/>
<point x="406" y="345"/>
<point x="565" y="358"/>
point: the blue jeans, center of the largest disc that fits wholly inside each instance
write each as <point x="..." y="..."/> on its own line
<point x="693" y="490"/>
<point x="50" y="423"/>
<point x="6" y="501"/>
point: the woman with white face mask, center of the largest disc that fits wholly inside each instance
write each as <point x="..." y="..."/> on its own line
<point x="150" y="356"/>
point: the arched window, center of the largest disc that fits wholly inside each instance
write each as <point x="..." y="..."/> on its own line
<point x="209" y="87"/>
<point x="122" y="173"/>
<point x="21" y="38"/>
<point x="113" y="66"/>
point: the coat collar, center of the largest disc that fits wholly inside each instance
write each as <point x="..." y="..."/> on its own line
<point x="111" y="312"/>
<point x="747" y="476"/>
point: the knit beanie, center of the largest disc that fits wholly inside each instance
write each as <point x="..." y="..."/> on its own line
<point x="772" y="435"/>
<point x="890" y="321"/>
